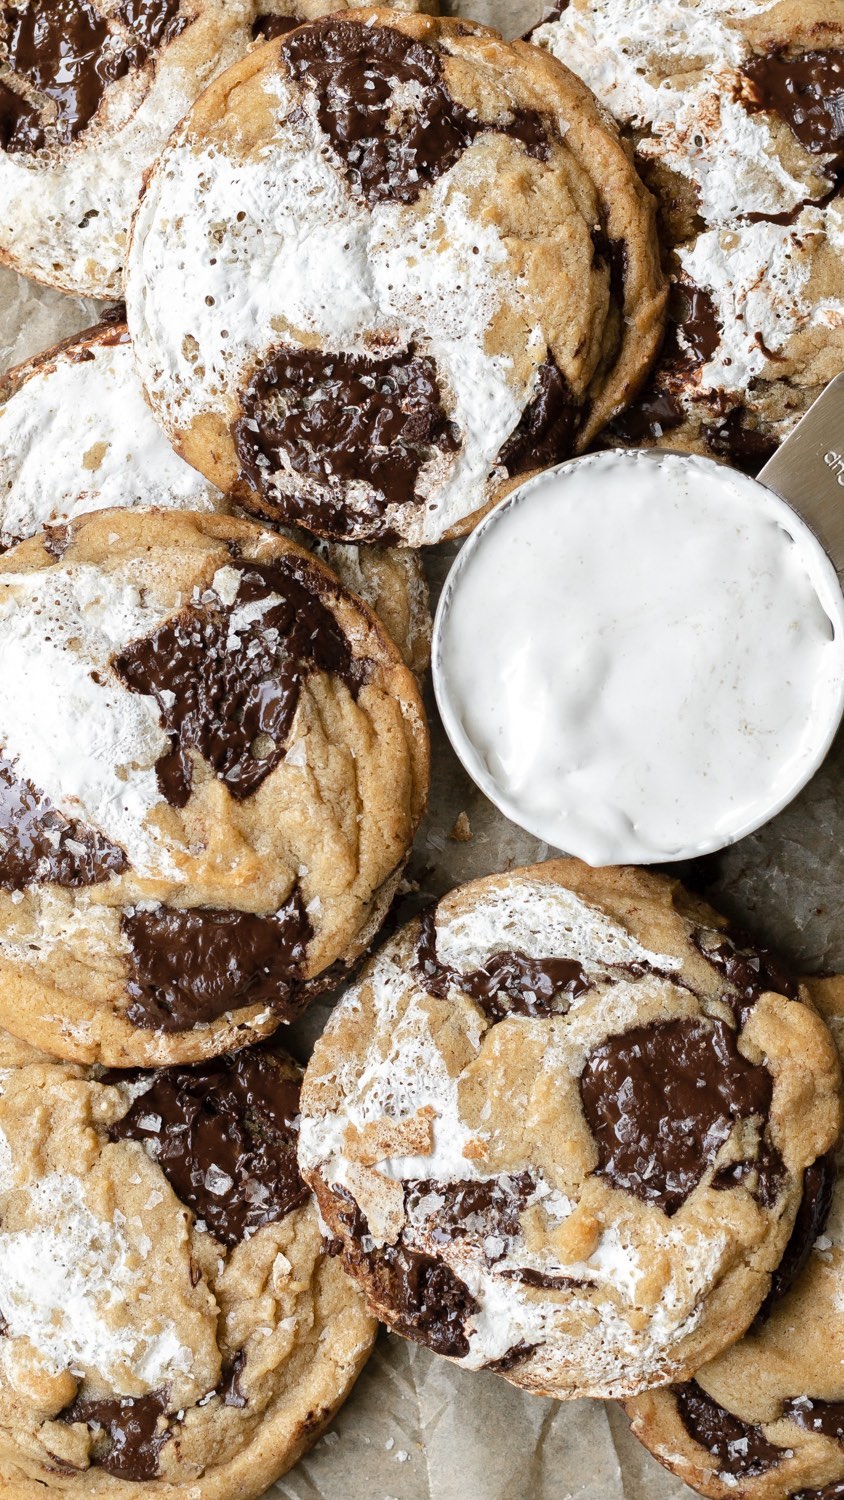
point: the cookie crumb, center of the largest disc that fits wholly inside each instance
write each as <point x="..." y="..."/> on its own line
<point x="461" y="832"/>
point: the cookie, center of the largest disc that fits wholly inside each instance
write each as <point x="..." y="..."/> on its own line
<point x="77" y="435"/>
<point x="385" y="267"/>
<point x="560" y="1126"/>
<point x="88" y="95"/>
<point x="766" y="1419"/>
<point x="732" y="107"/>
<point x="172" y="1323"/>
<point x="89" y="92"/>
<point x="213" y="765"/>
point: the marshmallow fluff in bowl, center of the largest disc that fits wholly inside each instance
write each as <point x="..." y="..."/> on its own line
<point x="640" y="656"/>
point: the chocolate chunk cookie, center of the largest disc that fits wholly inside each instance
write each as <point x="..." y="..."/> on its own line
<point x="172" y="1324"/>
<point x="213" y="763"/>
<point x="561" y="1126"/>
<point x="734" y="108"/>
<point x="77" y="435"/>
<point x="89" y="92"/>
<point x="766" y="1419"/>
<point x="385" y="268"/>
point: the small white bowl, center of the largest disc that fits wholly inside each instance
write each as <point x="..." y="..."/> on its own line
<point x="600" y="836"/>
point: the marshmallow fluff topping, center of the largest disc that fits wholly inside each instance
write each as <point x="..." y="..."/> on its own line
<point x="640" y="656"/>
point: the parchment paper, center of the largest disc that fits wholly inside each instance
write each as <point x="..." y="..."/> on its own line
<point x="415" y="1427"/>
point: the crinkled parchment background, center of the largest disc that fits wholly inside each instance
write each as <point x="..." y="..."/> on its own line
<point x="415" y="1427"/>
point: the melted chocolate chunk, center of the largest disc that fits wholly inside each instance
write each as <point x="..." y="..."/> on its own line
<point x="696" y="315"/>
<point x="229" y="688"/>
<point x="425" y="1301"/>
<point x="814" y="1415"/>
<point x="154" y="22"/>
<point x="343" y="417"/>
<point x="745" y="447"/>
<point x="391" y="149"/>
<point x="659" y="409"/>
<point x="188" y="967"/>
<point x="224" y="1135"/>
<point x="40" y="846"/>
<point x="531" y="128"/>
<point x="384" y="105"/>
<point x="547" y="427"/>
<point x="131" y="1433"/>
<point x="740" y="1449"/>
<point x="492" y="1206"/>
<point x="267" y="28"/>
<point x="807" y="92"/>
<point x="829" y="1492"/>
<point x="811" y="1220"/>
<point x="229" y="1388"/>
<point x="661" y="1100"/>
<point x="509" y="984"/>
<point x="649" y="416"/>
<point x="749" y="968"/>
<point x="547" y="1280"/>
<point x="614" y="255"/>
<point x="770" y="1174"/>
<point x="67" y="52"/>
<point x="20" y="123"/>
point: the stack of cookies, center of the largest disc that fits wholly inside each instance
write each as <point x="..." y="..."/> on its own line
<point x="567" y="1126"/>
